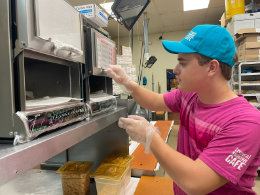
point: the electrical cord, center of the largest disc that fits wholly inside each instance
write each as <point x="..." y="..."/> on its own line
<point x="141" y="65"/>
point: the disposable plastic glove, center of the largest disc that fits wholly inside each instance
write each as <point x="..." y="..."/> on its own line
<point x="139" y="130"/>
<point x="117" y="73"/>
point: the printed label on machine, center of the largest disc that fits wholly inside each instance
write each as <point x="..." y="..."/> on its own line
<point x="106" y="51"/>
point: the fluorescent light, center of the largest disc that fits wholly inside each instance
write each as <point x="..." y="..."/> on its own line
<point x="195" y="4"/>
<point x="107" y="6"/>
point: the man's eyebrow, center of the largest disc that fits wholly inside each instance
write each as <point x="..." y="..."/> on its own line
<point x="182" y="59"/>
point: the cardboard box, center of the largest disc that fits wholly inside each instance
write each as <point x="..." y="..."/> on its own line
<point x="246" y="16"/>
<point x="242" y="52"/>
<point x="249" y="45"/>
<point x="257" y="23"/>
<point x="249" y="58"/>
<point x="242" y="21"/>
<point x="246" y="33"/>
<point x="223" y="21"/>
<point x="232" y="28"/>
<point x="94" y="13"/>
<point x="254" y="38"/>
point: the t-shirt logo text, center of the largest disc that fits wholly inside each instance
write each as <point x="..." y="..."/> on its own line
<point x="238" y="159"/>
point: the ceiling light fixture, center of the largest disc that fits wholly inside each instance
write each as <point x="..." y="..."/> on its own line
<point x="194" y="5"/>
<point x="107" y="7"/>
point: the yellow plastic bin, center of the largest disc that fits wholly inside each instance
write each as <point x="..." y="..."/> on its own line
<point x="75" y="177"/>
<point x="111" y="179"/>
<point x="234" y="7"/>
<point x="121" y="159"/>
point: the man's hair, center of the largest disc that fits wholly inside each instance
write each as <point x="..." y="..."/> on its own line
<point x="226" y="70"/>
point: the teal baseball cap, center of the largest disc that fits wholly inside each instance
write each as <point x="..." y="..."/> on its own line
<point x="212" y="41"/>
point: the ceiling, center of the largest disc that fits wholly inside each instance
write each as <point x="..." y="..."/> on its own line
<point x="166" y="16"/>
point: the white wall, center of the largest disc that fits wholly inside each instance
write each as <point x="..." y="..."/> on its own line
<point x="165" y="60"/>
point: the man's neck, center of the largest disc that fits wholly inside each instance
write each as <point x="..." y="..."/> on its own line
<point x="216" y="93"/>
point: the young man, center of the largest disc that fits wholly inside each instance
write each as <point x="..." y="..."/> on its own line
<point x="218" y="140"/>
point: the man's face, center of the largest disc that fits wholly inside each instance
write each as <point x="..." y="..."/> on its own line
<point x="191" y="76"/>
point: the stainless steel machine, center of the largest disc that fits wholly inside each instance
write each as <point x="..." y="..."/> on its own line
<point x="34" y="64"/>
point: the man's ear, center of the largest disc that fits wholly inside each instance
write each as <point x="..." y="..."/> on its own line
<point x="213" y="67"/>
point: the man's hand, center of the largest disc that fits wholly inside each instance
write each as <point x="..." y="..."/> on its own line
<point x="139" y="129"/>
<point x="117" y="73"/>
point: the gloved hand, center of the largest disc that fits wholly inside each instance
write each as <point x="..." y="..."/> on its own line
<point x="139" y="130"/>
<point x="117" y="73"/>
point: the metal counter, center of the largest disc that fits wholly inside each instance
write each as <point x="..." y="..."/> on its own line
<point x="40" y="182"/>
<point x="15" y="160"/>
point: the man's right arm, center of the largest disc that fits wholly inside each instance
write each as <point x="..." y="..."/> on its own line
<point x="145" y="98"/>
<point x="149" y="100"/>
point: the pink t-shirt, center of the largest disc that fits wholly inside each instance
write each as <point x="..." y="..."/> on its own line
<point x="225" y="136"/>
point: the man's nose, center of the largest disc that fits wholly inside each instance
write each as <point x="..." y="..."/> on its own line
<point x="177" y="69"/>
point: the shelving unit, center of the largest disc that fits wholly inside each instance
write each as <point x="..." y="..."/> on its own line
<point x="250" y="95"/>
<point x="238" y="68"/>
<point x="250" y="74"/>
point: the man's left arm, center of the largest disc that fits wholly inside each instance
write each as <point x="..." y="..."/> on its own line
<point x="193" y="177"/>
<point x="225" y="159"/>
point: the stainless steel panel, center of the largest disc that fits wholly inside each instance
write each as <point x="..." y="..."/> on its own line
<point x="122" y="102"/>
<point x="34" y="182"/>
<point x="109" y="140"/>
<point x="22" y="87"/>
<point x="56" y="161"/>
<point x="75" y="81"/>
<point x="97" y="83"/>
<point x="62" y="24"/>
<point x="47" y="79"/>
<point x="129" y="103"/>
<point x="47" y="57"/>
<point x="39" y="182"/>
<point x="51" y="77"/>
<point x="27" y="35"/>
<point x="6" y="72"/>
<point x="109" y="86"/>
<point x="22" y="23"/>
<point x="15" y="160"/>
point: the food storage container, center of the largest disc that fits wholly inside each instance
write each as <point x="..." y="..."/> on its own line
<point x="111" y="179"/>
<point x="121" y="159"/>
<point x="75" y="177"/>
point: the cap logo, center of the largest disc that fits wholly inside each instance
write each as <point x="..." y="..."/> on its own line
<point x="190" y="36"/>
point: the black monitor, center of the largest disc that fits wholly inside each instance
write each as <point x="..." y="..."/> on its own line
<point x="128" y="11"/>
